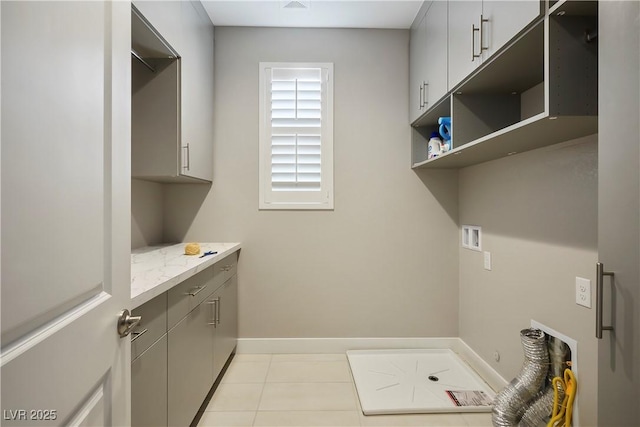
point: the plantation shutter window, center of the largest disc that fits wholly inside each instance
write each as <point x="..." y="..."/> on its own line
<point x="296" y="136"/>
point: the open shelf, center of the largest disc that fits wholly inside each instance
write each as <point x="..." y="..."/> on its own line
<point x="535" y="132"/>
<point x="540" y="90"/>
<point x="425" y="125"/>
<point x="573" y="8"/>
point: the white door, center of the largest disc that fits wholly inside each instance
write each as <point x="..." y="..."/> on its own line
<point x="619" y="211"/>
<point x="65" y="262"/>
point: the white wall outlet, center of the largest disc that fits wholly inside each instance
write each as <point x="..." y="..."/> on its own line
<point x="487" y="260"/>
<point x="472" y="237"/>
<point x="583" y="292"/>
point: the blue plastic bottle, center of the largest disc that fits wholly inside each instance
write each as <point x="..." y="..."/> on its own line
<point x="445" y="131"/>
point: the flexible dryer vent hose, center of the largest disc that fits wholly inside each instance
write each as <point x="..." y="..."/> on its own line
<point x="539" y="411"/>
<point x="509" y="405"/>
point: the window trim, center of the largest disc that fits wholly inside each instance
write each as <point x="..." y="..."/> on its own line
<point x="295" y="200"/>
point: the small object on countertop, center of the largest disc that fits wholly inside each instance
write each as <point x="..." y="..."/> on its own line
<point x="208" y="253"/>
<point x="192" y="249"/>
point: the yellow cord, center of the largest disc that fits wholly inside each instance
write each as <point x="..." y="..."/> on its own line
<point x="562" y="413"/>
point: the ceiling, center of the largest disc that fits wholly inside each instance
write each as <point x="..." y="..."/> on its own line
<point x="313" y="13"/>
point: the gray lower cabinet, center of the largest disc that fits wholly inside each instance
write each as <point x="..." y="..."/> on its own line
<point x="226" y="331"/>
<point x="189" y="364"/>
<point x="149" y="386"/>
<point x="181" y="345"/>
<point x="149" y="364"/>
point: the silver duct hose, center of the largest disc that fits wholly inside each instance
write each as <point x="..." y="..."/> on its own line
<point x="540" y="410"/>
<point x="512" y="401"/>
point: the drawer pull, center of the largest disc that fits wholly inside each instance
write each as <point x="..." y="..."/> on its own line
<point x="136" y="335"/>
<point x="217" y="310"/>
<point x="198" y="290"/>
<point x="213" y="302"/>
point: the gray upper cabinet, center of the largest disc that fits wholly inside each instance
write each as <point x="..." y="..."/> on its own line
<point x="518" y="80"/>
<point x="478" y="29"/>
<point x="172" y="92"/>
<point x="464" y="39"/>
<point x="504" y="20"/>
<point x="436" y="42"/>
<point x="428" y="58"/>
<point x="197" y="93"/>
<point x="417" y="64"/>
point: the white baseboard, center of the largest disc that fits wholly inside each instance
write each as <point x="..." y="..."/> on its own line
<point x="336" y="345"/>
<point x="486" y="372"/>
<point x="341" y="345"/>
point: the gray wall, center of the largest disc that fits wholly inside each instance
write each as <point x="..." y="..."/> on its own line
<point x="385" y="261"/>
<point x="538" y="212"/>
<point x="146" y="213"/>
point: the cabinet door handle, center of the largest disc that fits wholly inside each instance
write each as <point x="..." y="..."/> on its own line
<point x="213" y="302"/>
<point x="482" y="46"/>
<point x="188" y="156"/>
<point x="198" y="289"/>
<point x="425" y="85"/>
<point x="136" y="335"/>
<point x="473" y="44"/>
<point x="600" y="273"/>
<point x="218" y="304"/>
<point x="421" y="104"/>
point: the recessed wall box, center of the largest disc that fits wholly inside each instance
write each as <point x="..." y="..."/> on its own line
<point x="472" y="237"/>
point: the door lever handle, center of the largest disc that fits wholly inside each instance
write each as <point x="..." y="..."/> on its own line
<point x="126" y="322"/>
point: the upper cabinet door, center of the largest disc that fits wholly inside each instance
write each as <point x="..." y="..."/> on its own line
<point x="196" y="93"/>
<point x="464" y="39"/>
<point x="505" y="19"/>
<point x="435" y="33"/>
<point x="417" y="67"/>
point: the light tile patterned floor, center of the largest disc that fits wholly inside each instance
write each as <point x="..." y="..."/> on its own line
<point x="304" y="390"/>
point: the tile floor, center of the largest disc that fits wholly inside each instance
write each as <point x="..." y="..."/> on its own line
<point x="304" y="390"/>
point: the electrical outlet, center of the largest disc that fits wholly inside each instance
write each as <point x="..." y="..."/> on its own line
<point x="583" y="292"/>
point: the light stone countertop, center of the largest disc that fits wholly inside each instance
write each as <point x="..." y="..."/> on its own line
<point x="156" y="269"/>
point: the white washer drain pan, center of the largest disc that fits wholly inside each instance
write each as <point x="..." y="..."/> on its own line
<point x="416" y="382"/>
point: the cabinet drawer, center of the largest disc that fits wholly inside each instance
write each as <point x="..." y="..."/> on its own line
<point x="186" y="296"/>
<point x="152" y="326"/>
<point x="149" y="387"/>
<point x="225" y="269"/>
